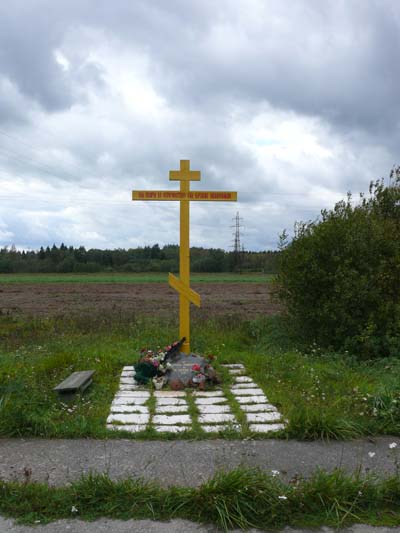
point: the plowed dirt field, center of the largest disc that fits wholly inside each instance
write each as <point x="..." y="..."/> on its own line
<point x="50" y="299"/>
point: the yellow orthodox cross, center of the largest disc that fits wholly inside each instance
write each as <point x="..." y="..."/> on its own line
<point x="184" y="196"/>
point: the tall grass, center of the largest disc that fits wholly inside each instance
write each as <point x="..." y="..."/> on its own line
<point x="322" y="395"/>
<point x="142" y="277"/>
<point x="241" y="498"/>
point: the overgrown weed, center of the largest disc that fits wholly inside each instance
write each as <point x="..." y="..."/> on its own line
<point x="242" y="498"/>
<point x="322" y="395"/>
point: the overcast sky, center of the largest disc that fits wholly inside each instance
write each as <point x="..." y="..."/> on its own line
<point x="290" y="103"/>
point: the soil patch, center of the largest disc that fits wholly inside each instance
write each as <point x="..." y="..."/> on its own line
<point x="50" y="299"/>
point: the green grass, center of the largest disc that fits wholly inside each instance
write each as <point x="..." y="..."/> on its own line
<point x="242" y="498"/>
<point x="145" y="277"/>
<point x="322" y="395"/>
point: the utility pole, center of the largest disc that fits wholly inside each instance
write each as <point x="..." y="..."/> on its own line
<point x="238" y="249"/>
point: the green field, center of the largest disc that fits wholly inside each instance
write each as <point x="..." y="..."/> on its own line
<point x="143" y="277"/>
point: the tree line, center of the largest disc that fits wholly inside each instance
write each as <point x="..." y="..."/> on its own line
<point x="64" y="259"/>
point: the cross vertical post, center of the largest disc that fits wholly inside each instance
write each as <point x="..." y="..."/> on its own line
<point x="185" y="196"/>
<point x="184" y="175"/>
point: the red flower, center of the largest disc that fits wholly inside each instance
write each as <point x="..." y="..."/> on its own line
<point x="196" y="368"/>
<point x="155" y="362"/>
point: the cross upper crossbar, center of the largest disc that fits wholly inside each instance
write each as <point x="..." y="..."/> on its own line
<point x="184" y="173"/>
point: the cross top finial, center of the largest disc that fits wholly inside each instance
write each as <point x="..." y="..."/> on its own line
<point x="184" y="173"/>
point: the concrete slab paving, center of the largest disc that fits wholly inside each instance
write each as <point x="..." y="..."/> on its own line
<point x="171" y="419"/>
<point x="263" y="417"/>
<point x="128" y="418"/>
<point x="216" y="418"/>
<point x="162" y="409"/>
<point x="207" y="409"/>
<point x="124" y="408"/>
<point x="258" y="407"/>
<point x="132" y="428"/>
<point x="171" y="401"/>
<point x="266" y="428"/>
<point x="251" y="399"/>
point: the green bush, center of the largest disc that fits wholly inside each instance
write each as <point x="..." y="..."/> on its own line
<point x="340" y="275"/>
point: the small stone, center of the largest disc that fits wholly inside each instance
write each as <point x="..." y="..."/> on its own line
<point x="169" y="394"/>
<point x="160" y="409"/>
<point x="124" y="408"/>
<point x="208" y="409"/>
<point x="247" y="392"/>
<point x="171" y="401"/>
<point x="258" y="407"/>
<point x="129" y="427"/>
<point x="210" y="400"/>
<point x="219" y="427"/>
<point x="172" y="429"/>
<point x="174" y="419"/>
<point x="243" y="379"/>
<point x="128" y="419"/>
<point x="266" y="428"/>
<point x="217" y="418"/>
<point x="252" y="399"/>
<point x="263" y="417"/>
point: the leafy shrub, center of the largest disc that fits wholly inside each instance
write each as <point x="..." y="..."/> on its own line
<point x="340" y="275"/>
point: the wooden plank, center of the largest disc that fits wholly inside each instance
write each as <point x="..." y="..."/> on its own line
<point x="190" y="294"/>
<point x="76" y="381"/>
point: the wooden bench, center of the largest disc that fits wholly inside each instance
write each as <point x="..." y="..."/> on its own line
<point x="77" y="381"/>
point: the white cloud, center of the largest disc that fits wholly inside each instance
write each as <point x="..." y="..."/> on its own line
<point x="292" y="105"/>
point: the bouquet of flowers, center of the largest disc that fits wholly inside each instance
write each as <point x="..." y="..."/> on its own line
<point x="155" y="364"/>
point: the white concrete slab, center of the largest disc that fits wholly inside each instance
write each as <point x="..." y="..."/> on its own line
<point x="266" y="428"/>
<point x="243" y="379"/>
<point x="172" y="429"/>
<point x="263" y="417"/>
<point x="135" y="393"/>
<point x="258" y="407"/>
<point x="129" y="409"/>
<point x="233" y="365"/>
<point x="171" y="401"/>
<point x="128" y="427"/>
<point x="216" y="428"/>
<point x="169" y="394"/>
<point x="236" y="371"/>
<point x="128" y="368"/>
<point x="248" y="385"/>
<point x="161" y="409"/>
<point x="127" y="374"/>
<point x="127" y="381"/>
<point x="216" y="418"/>
<point x="205" y="409"/>
<point x="128" y="418"/>
<point x="206" y="394"/>
<point x="171" y="420"/>
<point x="251" y="399"/>
<point x="247" y="392"/>
<point x="126" y="387"/>
<point x="210" y="401"/>
<point x="129" y="400"/>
